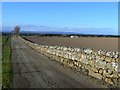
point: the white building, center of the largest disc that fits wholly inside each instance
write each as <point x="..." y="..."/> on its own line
<point x="73" y="36"/>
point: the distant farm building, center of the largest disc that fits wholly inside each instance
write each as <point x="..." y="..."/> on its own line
<point x="73" y="36"/>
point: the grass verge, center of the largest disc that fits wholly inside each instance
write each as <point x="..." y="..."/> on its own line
<point x="6" y="62"/>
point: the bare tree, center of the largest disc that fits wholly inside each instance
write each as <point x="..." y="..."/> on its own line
<point x="16" y="30"/>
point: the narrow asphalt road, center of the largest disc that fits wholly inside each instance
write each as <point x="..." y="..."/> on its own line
<point x="33" y="70"/>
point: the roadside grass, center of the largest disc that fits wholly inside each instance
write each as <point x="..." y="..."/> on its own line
<point x="6" y="62"/>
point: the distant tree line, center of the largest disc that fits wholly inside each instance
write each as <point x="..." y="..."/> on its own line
<point x="67" y="35"/>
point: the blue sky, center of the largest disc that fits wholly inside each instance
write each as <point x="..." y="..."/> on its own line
<point x="87" y="17"/>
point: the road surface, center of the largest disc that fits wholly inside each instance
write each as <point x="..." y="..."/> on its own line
<point x="33" y="70"/>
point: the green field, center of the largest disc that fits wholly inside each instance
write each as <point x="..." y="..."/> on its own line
<point x="6" y="62"/>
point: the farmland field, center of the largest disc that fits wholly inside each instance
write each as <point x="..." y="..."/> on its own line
<point x="95" y="43"/>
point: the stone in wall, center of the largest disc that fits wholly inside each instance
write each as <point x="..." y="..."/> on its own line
<point x="109" y="80"/>
<point x="107" y="59"/>
<point x="109" y="53"/>
<point x="96" y="75"/>
<point x="85" y="61"/>
<point x="100" y="64"/>
<point x="93" y="69"/>
<point x="92" y="63"/>
<point x="88" y="51"/>
<point x="87" y="67"/>
<point x="100" y="71"/>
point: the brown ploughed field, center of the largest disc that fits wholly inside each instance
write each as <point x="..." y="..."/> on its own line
<point x="95" y="43"/>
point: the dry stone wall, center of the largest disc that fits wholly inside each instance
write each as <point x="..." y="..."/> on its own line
<point x="100" y="64"/>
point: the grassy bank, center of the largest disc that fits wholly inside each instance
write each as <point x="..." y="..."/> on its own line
<point x="6" y="62"/>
